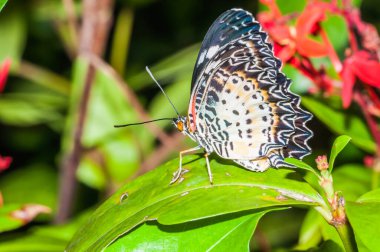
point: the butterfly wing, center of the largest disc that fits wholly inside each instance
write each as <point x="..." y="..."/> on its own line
<point x="241" y="105"/>
<point x="226" y="28"/>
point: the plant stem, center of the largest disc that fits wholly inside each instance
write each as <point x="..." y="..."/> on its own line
<point x="121" y="40"/>
<point x="347" y="236"/>
<point x="71" y="160"/>
<point x="96" y="22"/>
<point x="370" y="121"/>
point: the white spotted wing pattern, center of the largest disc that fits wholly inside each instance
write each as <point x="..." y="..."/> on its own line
<point x="240" y="106"/>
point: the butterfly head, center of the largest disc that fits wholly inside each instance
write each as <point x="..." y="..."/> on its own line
<point x="181" y="123"/>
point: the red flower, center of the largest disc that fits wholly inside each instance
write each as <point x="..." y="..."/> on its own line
<point x="292" y="39"/>
<point x="5" y="163"/>
<point x="308" y="24"/>
<point x="4" y="70"/>
<point x="363" y="66"/>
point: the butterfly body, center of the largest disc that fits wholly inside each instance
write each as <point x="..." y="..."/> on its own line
<point x="240" y="106"/>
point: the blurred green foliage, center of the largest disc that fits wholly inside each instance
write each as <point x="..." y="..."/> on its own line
<point x="41" y="102"/>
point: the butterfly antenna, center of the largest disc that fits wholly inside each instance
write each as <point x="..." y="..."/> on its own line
<point x="167" y="97"/>
<point x="155" y="120"/>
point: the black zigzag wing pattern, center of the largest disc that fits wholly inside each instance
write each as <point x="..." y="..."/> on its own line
<point x="236" y="47"/>
<point x="229" y="26"/>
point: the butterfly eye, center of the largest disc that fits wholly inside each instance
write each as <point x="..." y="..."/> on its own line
<point x="180" y="126"/>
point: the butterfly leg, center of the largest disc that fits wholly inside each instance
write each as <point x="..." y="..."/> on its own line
<point x="178" y="173"/>
<point x="208" y="168"/>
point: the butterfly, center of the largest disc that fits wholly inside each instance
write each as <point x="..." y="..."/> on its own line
<point x="240" y="105"/>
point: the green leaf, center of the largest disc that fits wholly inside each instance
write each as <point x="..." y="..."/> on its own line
<point x="107" y="106"/>
<point x="341" y="122"/>
<point x="328" y="246"/>
<point x="217" y="234"/>
<point x="300" y="83"/>
<point x="365" y="220"/>
<point x="372" y="196"/>
<point x="13" y="34"/>
<point x="302" y="165"/>
<point x="91" y="174"/>
<point x="315" y="228"/>
<point x="160" y="106"/>
<point x="33" y="243"/>
<point x="310" y="235"/>
<point x="150" y="197"/>
<point x="41" y="238"/>
<point x="2" y="4"/>
<point x="353" y="180"/>
<point x="291" y="6"/>
<point x="30" y="109"/>
<point x="326" y="64"/>
<point x="338" y="145"/>
<point x="23" y="185"/>
<point x="7" y="222"/>
<point x="277" y="232"/>
<point x="121" y="157"/>
<point x="355" y="3"/>
<point x="336" y="29"/>
<point x="121" y="40"/>
<point x="174" y="67"/>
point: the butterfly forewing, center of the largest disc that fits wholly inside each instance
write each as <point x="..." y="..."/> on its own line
<point x="227" y="27"/>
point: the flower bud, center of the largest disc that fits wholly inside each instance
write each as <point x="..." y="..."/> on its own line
<point x="322" y="163"/>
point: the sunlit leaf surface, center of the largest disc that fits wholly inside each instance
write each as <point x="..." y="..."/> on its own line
<point x="232" y="232"/>
<point x="151" y="197"/>
<point x="365" y="220"/>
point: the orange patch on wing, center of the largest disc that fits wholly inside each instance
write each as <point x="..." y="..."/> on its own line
<point x="193" y="125"/>
<point x="243" y="75"/>
<point x="219" y="80"/>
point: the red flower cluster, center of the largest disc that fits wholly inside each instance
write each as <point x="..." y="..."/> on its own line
<point x="293" y="44"/>
<point x="5" y="162"/>
<point x="4" y="70"/>
<point x="292" y="39"/>
<point x="364" y="66"/>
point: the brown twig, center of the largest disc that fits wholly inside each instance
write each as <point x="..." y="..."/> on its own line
<point x="71" y="161"/>
<point x="262" y="241"/>
<point x="95" y="27"/>
<point x="94" y="34"/>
